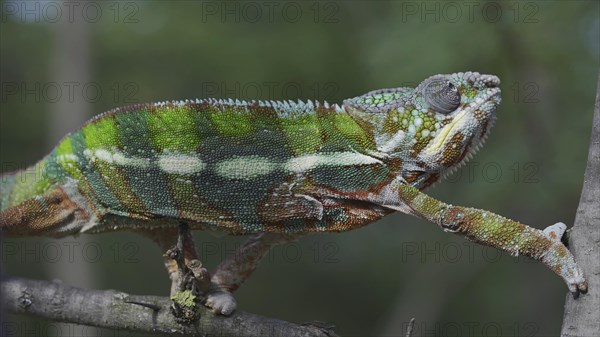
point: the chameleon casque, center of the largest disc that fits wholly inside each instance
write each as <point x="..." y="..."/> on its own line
<point x="275" y="170"/>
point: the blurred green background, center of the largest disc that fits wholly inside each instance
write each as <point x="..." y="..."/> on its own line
<point x="62" y="63"/>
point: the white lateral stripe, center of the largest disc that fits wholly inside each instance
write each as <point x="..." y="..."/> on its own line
<point x="246" y="167"/>
<point x="311" y="161"/>
<point x="121" y="159"/>
<point x="180" y="164"/>
<point x="115" y="157"/>
<point x="67" y="157"/>
<point x="104" y="155"/>
<point x="242" y="167"/>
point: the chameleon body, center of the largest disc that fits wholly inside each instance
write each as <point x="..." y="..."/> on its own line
<point x="274" y="169"/>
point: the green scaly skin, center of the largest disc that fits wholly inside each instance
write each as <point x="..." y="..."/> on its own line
<point x="275" y="167"/>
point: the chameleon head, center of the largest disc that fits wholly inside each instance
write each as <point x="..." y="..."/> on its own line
<point x="432" y="128"/>
<point x="463" y="106"/>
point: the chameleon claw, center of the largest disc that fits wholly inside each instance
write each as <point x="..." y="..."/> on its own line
<point x="578" y="288"/>
<point x="564" y="264"/>
<point x="577" y="284"/>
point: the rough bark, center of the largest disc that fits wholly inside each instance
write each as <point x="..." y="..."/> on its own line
<point x="581" y="316"/>
<point x="116" y="310"/>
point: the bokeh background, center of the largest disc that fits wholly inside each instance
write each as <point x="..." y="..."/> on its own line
<point x="62" y="63"/>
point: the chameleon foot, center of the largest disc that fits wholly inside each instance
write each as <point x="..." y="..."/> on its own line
<point x="221" y="302"/>
<point x="562" y="262"/>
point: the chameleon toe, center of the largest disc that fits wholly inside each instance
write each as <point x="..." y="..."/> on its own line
<point x="221" y="302"/>
<point x="578" y="287"/>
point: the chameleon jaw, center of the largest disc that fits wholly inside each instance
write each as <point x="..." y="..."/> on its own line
<point x="435" y="147"/>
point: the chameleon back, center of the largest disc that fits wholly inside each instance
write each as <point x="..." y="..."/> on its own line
<point x="220" y="164"/>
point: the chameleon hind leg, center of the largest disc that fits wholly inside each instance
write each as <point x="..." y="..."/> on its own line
<point x="180" y="256"/>
<point x="235" y="269"/>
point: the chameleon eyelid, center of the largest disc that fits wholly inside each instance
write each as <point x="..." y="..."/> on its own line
<point x="441" y="95"/>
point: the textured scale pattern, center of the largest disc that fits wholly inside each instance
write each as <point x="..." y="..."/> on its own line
<point x="212" y="162"/>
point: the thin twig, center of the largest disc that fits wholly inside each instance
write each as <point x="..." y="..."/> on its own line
<point x="146" y="314"/>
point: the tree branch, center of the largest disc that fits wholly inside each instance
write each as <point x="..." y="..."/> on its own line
<point x="581" y="315"/>
<point x="148" y="314"/>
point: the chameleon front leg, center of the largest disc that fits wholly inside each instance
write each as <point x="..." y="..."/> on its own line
<point x="490" y="229"/>
<point x="235" y="269"/>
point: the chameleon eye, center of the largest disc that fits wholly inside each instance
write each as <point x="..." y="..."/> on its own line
<point x="442" y="96"/>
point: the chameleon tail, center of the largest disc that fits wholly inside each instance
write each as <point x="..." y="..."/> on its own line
<point x="18" y="186"/>
<point x="7" y="186"/>
<point x="7" y="182"/>
<point x="31" y="203"/>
